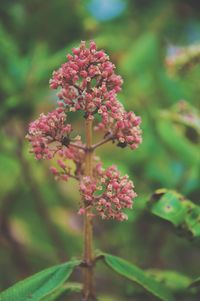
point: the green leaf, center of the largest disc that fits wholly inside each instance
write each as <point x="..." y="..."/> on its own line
<point x="65" y="290"/>
<point x="139" y="276"/>
<point x="170" y="208"/>
<point x="175" y="281"/>
<point x="192" y="220"/>
<point x="195" y="283"/>
<point x="142" y="54"/>
<point x="174" y="138"/>
<point x="173" y="207"/>
<point x="184" y="114"/>
<point x="41" y="284"/>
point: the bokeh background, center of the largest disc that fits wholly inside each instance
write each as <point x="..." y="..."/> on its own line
<point x="155" y="46"/>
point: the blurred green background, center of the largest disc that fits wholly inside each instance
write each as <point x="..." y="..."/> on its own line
<point x="39" y="225"/>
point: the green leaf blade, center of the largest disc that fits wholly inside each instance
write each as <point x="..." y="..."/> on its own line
<point x="195" y="283"/>
<point x="139" y="276"/>
<point x="174" y="280"/>
<point x="66" y="289"/>
<point x="35" y="287"/>
<point x="176" y="209"/>
<point x="170" y="208"/>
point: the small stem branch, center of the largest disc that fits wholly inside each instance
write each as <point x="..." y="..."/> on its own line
<point x="105" y="140"/>
<point x="92" y="147"/>
<point x="78" y="146"/>
<point x="70" y="175"/>
<point x="88" y="290"/>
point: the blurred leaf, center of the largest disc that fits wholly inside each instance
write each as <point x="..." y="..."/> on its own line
<point x="176" y="141"/>
<point x="142" y="55"/>
<point x="175" y="281"/>
<point x="173" y="88"/>
<point x="196" y="282"/>
<point x="139" y="276"/>
<point x="184" y="113"/>
<point x="9" y="173"/>
<point x="41" y="284"/>
<point x="184" y="59"/>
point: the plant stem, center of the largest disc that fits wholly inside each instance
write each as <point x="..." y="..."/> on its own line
<point x="88" y="290"/>
<point x="105" y="140"/>
<point x="78" y="146"/>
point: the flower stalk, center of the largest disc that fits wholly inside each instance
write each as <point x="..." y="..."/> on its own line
<point x="88" y="289"/>
<point x="87" y="82"/>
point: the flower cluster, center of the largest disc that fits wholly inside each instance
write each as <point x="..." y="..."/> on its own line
<point x="87" y="80"/>
<point x="121" y="126"/>
<point x="49" y="136"/>
<point x="48" y="132"/>
<point x="108" y="193"/>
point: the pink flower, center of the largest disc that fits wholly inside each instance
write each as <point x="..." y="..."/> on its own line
<point x="127" y="130"/>
<point x="86" y="80"/>
<point x="48" y="133"/>
<point x="108" y="193"/>
<point x="122" y="126"/>
<point x="54" y="170"/>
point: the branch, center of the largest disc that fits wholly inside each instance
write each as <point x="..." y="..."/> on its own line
<point x="105" y="140"/>
<point x="69" y="175"/>
<point x="78" y="88"/>
<point x="78" y="146"/>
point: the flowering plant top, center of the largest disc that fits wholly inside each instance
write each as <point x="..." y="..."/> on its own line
<point x="87" y="82"/>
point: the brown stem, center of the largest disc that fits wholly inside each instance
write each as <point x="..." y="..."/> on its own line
<point x="88" y="290"/>
<point x="78" y="146"/>
<point x="70" y="175"/>
<point x="105" y="140"/>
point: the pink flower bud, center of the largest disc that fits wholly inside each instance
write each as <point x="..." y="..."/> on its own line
<point x="53" y="170"/>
